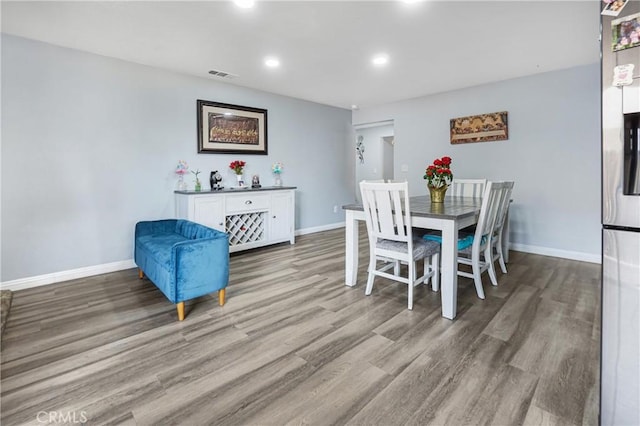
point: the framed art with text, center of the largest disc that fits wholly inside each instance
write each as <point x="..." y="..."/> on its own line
<point x="231" y="129"/>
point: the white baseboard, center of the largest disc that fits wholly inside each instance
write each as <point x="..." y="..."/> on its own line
<point x="89" y="271"/>
<point x="565" y="254"/>
<point x="315" y="229"/>
<point x="73" y="274"/>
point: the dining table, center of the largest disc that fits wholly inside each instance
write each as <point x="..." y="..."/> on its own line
<point x="449" y="217"/>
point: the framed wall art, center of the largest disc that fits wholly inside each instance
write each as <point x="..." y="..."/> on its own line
<point x="613" y="7"/>
<point x="479" y="128"/>
<point x="231" y="129"/>
<point x="626" y="32"/>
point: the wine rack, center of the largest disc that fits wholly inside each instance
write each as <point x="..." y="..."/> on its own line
<point x="246" y="228"/>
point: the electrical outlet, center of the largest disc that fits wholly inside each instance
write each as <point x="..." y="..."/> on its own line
<point x="335" y="209"/>
<point x="404" y="168"/>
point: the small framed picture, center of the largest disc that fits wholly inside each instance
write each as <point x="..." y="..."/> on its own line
<point x="255" y="181"/>
<point x="626" y="32"/>
<point x="613" y="8"/>
<point x="623" y="75"/>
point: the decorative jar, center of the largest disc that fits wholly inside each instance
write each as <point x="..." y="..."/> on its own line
<point x="181" y="185"/>
<point x="277" y="168"/>
<point x="437" y="194"/>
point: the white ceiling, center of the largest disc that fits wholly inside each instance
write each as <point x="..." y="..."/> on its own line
<point x="325" y="47"/>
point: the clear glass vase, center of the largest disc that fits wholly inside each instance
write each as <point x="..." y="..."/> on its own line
<point x="181" y="185"/>
<point x="278" y="179"/>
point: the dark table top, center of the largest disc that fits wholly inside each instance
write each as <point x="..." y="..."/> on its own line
<point x="452" y="208"/>
<point x="231" y="190"/>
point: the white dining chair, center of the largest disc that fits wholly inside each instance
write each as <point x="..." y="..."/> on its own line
<point x="396" y="268"/>
<point x="388" y="218"/>
<point x="478" y="255"/>
<point x="468" y="187"/>
<point x="498" y="227"/>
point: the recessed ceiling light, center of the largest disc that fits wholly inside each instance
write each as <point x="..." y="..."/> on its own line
<point x="411" y="1"/>
<point x="380" y="59"/>
<point x="354" y="107"/>
<point x="245" y="4"/>
<point x="272" y="62"/>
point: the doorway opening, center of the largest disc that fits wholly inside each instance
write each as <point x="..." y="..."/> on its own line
<point x="375" y="143"/>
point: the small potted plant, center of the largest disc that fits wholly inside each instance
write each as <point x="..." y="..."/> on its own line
<point x="238" y="168"/>
<point x="198" y="183"/>
<point x="438" y="176"/>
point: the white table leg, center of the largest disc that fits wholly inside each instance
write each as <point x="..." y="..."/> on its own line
<point x="449" y="269"/>
<point x="351" y="249"/>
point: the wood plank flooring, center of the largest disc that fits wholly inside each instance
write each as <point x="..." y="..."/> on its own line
<point x="293" y="345"/>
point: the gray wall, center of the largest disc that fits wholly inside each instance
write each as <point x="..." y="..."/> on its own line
<point x="553" y="152"/>
<point x="89" y="145"/>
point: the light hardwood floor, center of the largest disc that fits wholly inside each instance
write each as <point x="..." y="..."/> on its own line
<point x="293" y="345"/>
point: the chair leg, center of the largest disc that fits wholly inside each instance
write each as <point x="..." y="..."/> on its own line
<point x="372" y="267"/>
<point x="221" y="296"/>
<point x="477" y="278"/>
<point x="140" y="273"/>
<point x="412" y="279"/>
<point x="428" y="269"/>
<point x="435" y="266"/>
<point x="503" y="266"/>
<point x="180" y="307"/>
<point x="396" y="268"/>
<point x="492" y="269"/>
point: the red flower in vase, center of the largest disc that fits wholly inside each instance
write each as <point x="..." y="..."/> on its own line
<point x="439" y="173"/>
<point x="237" y="166"/>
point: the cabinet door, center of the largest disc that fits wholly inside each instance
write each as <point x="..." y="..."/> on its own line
<point x="281" y="220"/>
<point x="209" y="211"/>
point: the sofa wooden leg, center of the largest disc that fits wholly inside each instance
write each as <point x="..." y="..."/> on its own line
<point x="221" y="294"/>
<point x="140" y="273"/>
<point x="180" y="307"/>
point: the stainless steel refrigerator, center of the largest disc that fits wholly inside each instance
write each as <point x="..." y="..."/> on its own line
<point x="620" y="354"/>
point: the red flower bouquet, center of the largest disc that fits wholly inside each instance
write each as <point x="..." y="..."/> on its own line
<point x="237" y="166"/>
<point x="439" y="173"/>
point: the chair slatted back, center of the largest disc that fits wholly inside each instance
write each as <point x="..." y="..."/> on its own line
<point x="504" y="205"/>
<point x="493" y="194"/>
<point x="386" y="207"/>
<point x="468" y="187"/>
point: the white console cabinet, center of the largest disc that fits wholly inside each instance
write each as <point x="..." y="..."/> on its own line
<point x="251" y="217"/>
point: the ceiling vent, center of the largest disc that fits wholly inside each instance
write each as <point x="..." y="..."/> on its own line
<point x="222" y="74"/>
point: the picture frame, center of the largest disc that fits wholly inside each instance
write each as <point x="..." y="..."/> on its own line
<point x="231" y="129"/>
<point x="614" y="7"/>
<point x="626" y="32"/>
<point x="479" y="128"/>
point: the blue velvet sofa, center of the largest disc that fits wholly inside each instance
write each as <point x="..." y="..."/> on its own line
<point x="183" y="259"/>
